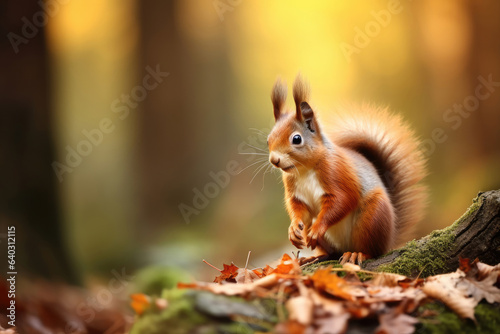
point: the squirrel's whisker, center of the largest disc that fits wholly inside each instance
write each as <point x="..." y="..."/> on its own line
<point x="257" y="148"/>
<point x="260" y="132"/>
<point x="254" y="153"/>
<point x="258" y="171"/>
<point x="264" y="176"/>
<point x="254" y="163"/>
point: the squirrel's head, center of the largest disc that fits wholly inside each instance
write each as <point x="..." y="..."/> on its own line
<point x="295" y="141"/>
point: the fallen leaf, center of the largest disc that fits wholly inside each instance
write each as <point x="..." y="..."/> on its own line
<point x="392" y="323"/>
<point x="462" y="293"/>
<point x="291" y="327"/>
<point x="351" y="266"/>
<point x="323" y="302"/>
<point x="140" y="302"/>
<point x="334" y="324"/>
<point x="325" y="280"/>
<point x="329" y="307"/>
<point x="485" y="270"/>
<point x="258" y="287"/>
<point x="267" y="270"/>
<point x="479" y="290"/>
<point x="466" y="266"/>
<point x="245" y="276"/>
<point x="161" y="303"/>
<point x="300" y="309"/>
<point x="287" y="266"/>
<point x="227" y="274"/>
<point x="387" y="279"/>
<point x="390" y="294"/>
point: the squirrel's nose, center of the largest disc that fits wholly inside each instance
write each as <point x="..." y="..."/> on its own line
<point x="275" y="161"/>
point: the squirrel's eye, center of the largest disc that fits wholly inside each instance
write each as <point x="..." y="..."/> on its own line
<point x="297" y="140"/>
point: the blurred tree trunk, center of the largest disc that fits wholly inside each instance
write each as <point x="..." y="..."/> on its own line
<point x="484" y="56"/>
<point x="181" y="119"/>
<point x="459" y="50"/>
<point x="28" y="185"/>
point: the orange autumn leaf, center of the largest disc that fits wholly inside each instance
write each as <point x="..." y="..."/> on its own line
<point x="140" y="302"/>
<point x="466" y="265"/>
<point x="330" y="283"/>
<point x="181" y="285"/>
<point x="258" y="272"/>
<point x="287" y="266"/>
<point x="227" y="274"/>
<point x="324" y="302"/>
<point x="267" y="270"/>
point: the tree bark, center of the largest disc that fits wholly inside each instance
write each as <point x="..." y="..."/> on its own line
<point x="474" y="235"/>
<point x="29" y="193"/>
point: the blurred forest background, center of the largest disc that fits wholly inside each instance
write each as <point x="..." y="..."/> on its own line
<point x="89" y="66"/>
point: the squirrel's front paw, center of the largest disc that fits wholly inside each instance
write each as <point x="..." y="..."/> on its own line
<point x="295" y="234"/>
<point x="316" y="232"/>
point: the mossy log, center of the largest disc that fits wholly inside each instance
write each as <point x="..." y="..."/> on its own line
<point x="474" y="235"/>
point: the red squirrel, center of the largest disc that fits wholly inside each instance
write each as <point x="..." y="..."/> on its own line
<point x="352" y="187"/>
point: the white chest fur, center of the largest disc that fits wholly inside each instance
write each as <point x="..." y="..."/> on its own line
<point x="309" y="190"/>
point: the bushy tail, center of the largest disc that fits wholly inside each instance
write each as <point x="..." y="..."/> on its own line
<point x="386" y="141"/>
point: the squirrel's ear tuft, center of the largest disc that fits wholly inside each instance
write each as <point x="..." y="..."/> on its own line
<point x="300" y="95"/>
<point x="307" y="115"/>
<point x="306" y="111"/>
<point x="278" y="97"/>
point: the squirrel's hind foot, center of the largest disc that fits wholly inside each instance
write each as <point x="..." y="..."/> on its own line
<point x="354" y="257"/>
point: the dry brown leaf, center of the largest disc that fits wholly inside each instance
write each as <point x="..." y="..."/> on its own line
<point x="331" y="316"/>
<point x="331" y="283"/>
<point x="351" y="267"/>
<point x="300" y="309"/>
<point x="333" y="324"/>
<point x="484" y="289"/>
<point x="329" y="305"/>
<point x="324" y="302"/>
<point x="444" y="288"/>
<point x="462" y="293"/>
<point x="257" y="287"/>
<point x="485" y="270"/>
<point x="392" y="294"/>
<point x="292" y="327"/>
<point x="246" y="276"/>
<point x="387" y="279"/>
<point x="393" y="323"/>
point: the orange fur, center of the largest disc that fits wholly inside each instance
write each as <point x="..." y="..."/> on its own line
<point x="352" y="187"/>
<point x="391" y="146"/>
<point x="375" y="232"/>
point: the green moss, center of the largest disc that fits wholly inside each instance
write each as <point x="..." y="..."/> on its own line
<point x="153" y="280"/>
<point x="311" y="268"/>
<point x="364" y="276"/>
<point x="179" y="317"/>
<point x="424" y="258"/>
<point x="192" y="311"/>
<point x="446" y="321"/>
<point x="427" y="256"/>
